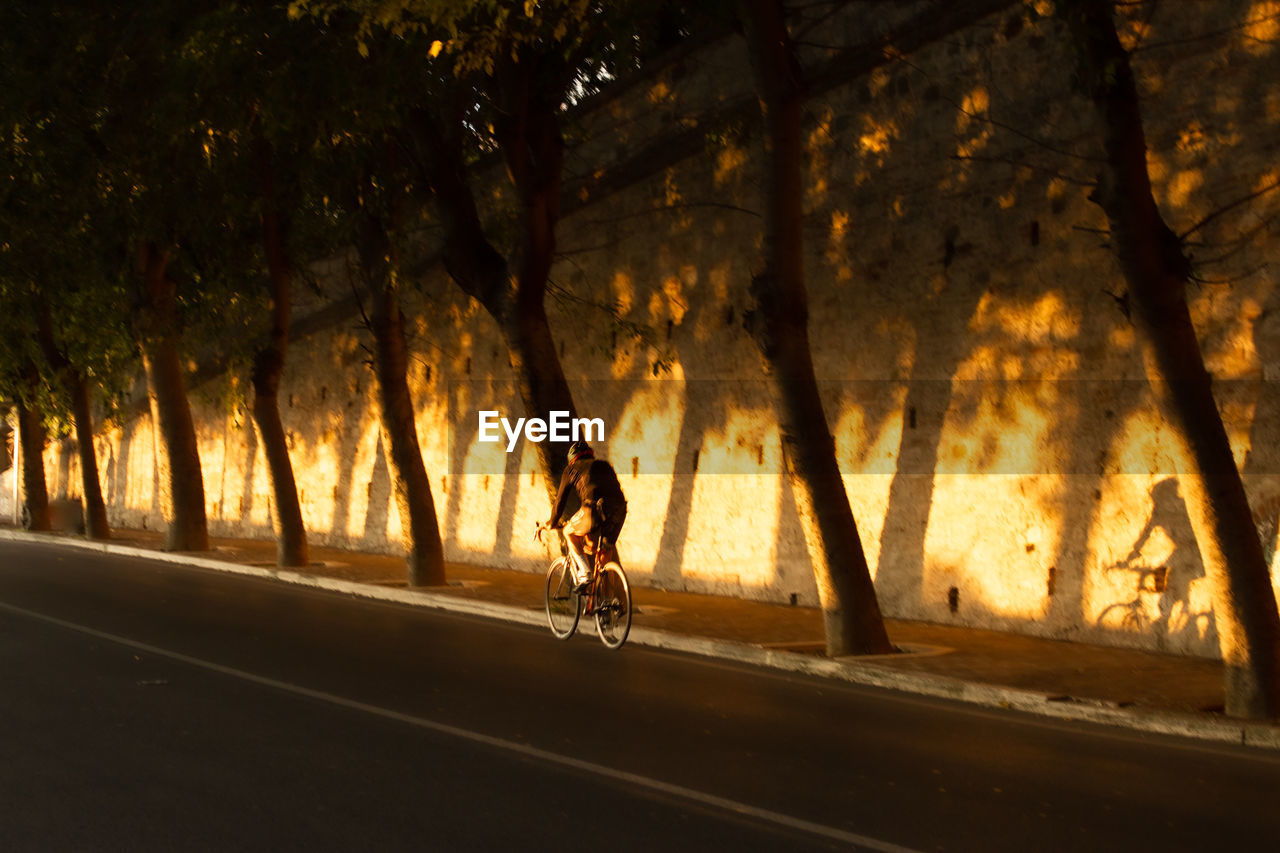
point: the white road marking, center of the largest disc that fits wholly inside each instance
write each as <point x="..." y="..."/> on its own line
<point x="533" y="752"/>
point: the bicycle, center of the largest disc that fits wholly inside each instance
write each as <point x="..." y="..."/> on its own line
<point x="606" y="598"/>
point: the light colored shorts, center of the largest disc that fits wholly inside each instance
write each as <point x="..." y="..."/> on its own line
<point x="580" y="523"/>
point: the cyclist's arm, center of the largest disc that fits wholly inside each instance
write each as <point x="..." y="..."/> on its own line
<point x="566" y="482"/>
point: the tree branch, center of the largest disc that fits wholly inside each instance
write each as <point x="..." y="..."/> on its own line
<point x="1228" y="207"/>
<point x="1079" y="182"/>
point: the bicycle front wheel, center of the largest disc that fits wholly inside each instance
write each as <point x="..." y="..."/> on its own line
<point x="612" y="605"/>
<point x="564" y="606"/>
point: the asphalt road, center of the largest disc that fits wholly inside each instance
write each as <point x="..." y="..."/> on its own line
<point x="145" y="706"/>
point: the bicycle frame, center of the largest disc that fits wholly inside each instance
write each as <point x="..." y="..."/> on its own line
<point x="609" y="603"/>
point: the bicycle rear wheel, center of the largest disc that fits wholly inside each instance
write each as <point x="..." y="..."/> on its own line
<point x="612" y="605"/>
<point x="564" y="606"/>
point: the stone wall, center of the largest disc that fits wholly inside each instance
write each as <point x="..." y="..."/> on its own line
<point x="1004" y="462"/>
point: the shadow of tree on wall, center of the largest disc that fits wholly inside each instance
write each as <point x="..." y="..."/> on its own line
<point x="1260" y="471"/>
<point x="507" y="503"/>
<point x="379" y="490"/>
<point x="337" y="406"/>
<point x="466" y="398"/>
<point x="247" y="483"/>
<point x="461" y="435"/>
<point x="910" y="504"/>
<point x="68" y="464"/>
<point x="1079" y="498"/>
<point x="157" y="513"/>
<point x="350" y="432"/>
<point x="669" y="563"/>
<point x="110" y="467"/>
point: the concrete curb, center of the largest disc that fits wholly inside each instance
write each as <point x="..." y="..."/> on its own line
<point x="852" y="670"/>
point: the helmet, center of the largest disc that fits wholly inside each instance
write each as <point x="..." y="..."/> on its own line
<point x="579" y="450"/>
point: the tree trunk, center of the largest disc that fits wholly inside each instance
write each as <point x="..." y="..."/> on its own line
<point x="533" y="150"/>
<point x="95" y="506"/>
<point x="7" y="448"/>
<point x="541" y="380"/>
<point x="851" y="613"/>
<point x="1156" y="271"/>
<point x="73" y="381"/>
<point x="391" y="365"/>
<point x="35" y="493"/>
<point x="181" y="479"/>
<point x="268" y="365"/>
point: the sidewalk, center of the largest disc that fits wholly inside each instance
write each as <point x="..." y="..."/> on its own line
<point x="1135" y="689"/>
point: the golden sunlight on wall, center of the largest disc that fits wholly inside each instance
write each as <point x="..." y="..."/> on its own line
<point x="55" y="468"/>
<point x="727" y="532"/>
<point x="1003" y="575"/>
<point x="999" y="461"/>
<point x="474" y="529"/>
<point x="1262" y="28"/>
<point x="531" y="509"/>
<point x="258" y="503"/>
<point x="140" y="494"/>
<point x="642" y="447"/>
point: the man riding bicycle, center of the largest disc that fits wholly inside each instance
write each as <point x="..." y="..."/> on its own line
<point x="602" y="507"/>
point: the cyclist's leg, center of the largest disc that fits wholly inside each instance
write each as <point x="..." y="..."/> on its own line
<point x="615" y="516"/>
<point x="576" y="531"/>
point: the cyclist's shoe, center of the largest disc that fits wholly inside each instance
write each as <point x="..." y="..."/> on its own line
<point x="580" y="586"/>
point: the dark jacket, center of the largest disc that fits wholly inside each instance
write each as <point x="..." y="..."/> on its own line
<point x="592" y="479"/>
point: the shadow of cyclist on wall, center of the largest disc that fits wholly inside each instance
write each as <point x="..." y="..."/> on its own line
<point x="1178" y="627"/>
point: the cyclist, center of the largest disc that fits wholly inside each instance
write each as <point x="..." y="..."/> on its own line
<point x="596" y="483"/>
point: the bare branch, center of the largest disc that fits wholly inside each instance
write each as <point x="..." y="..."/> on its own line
<point x="1079" y="182"/>
<point x="642" y="334"/>
<point x="562" y="254"/>
<point x="1233" y="280"/>
<point x="359" y="299"/>
<point x="1230" y="206"/>
<point x="1212" y="34"/>
<point x="681" y="206"/>
<point x="1238" y="245"/>
<point x="1039" y="143"/>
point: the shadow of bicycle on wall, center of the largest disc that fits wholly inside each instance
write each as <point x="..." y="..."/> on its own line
<point x="1162" y="605"/>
